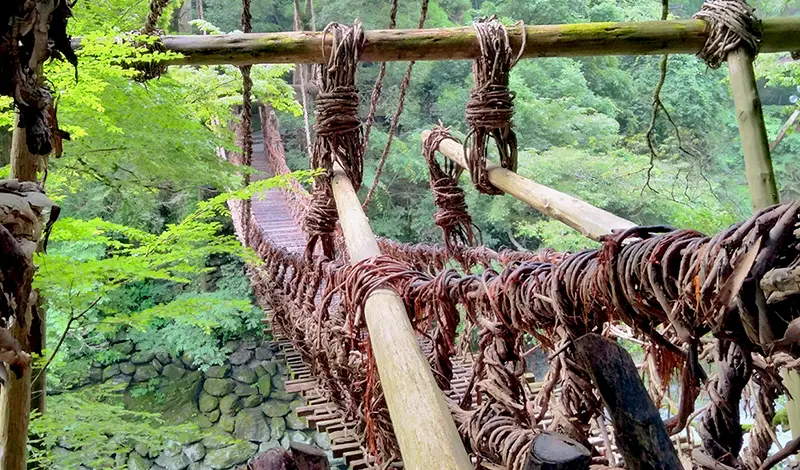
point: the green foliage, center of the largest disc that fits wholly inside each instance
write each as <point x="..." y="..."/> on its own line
<point x="96" y="429"/>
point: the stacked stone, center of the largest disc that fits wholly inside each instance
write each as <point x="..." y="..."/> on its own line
<point x="242" y="405"/>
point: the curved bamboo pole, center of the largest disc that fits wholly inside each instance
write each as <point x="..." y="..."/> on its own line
<point x="425" y="430"/>
<point x="591" y="221"/>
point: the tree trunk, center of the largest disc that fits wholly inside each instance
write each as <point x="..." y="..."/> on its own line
<point x="5" y="147"/>
<point x="181" y="17"/>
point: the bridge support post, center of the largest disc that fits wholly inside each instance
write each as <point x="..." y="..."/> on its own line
<point x="425" y="430"/>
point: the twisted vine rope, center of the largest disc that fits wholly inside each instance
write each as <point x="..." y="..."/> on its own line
<point x="339" y="133"/>
<point x="733" y="25"/>
<point x="647" y="277"/>
<point x="491" y="105"/>
<point x="150" y="70"/>
<point x="452" y="215"/>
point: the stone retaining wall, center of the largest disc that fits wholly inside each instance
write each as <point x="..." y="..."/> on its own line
<point x="241" y="406"/>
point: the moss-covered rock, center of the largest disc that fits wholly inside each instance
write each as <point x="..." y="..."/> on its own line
<point x="218" y="387"/>
<point x="227" y="457"/>
<point x="207" y="402"/>
<point x="264" y="385"/>
<point x="219" y="372"/>
<point x="175" y="400"/>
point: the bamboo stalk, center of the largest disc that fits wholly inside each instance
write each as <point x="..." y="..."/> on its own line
<point x="566" y="40"/>
<point x="753" y="132"/>
<point x="589" y="220"/>
<point x="425" y="430"/>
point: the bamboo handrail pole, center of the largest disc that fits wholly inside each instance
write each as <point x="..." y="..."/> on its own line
<point x="424" y="428"/>
<point x="589" y="220"/>
<point x="752" y="131"/>
<point x="565" y="40"/>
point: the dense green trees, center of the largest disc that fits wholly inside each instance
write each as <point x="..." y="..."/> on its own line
<point x="130" y="250"/>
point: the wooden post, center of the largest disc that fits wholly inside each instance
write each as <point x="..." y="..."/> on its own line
<point x="641" y="434"/>
<point x="15" y="397"/>
<point x="425" y="430"/>
<point x="567" y="40"/>
<point x="23" y="163"/>
<point x="589" y="220"/>
<point x="753" y="132"/>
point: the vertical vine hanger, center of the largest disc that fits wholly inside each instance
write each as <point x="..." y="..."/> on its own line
<point x="491" y="105"/>
<point x="338" y="128"/>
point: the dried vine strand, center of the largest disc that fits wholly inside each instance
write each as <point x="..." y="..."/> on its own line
<point x="491" y="105"/>
<point x="378" y="87"/>
<point x="733" y="25"/>
<point x="339" y="132"/>
<point x="398" y="112"/>
<point x="156" y="10"/>
<point x="451" y="215"/>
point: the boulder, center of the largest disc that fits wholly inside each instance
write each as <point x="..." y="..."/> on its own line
<point x="278" y="427"/>
<point x="124" y="348"/>
<point x="96" y="374"/>
<point x="250" y="425"/>
<point x="218" y="387"/>
<point x="195" y="452"/>
<point x="145" y="373"/>
<point x="243" y="390"/>
<point x="202" y="421"/>
<point x="297" y="404"/>
<point x="271" y="366"/>
<point x="244" y="374"/>
<point x="282" y="395"/>
<point x="226" y="457"/>
<point x="264" y="385"/>
<point x="286" y="442"/>
<point x="321" y="440"/>
<point x="199" y="466"/>
<point x="248" y="344"/>
<point x="142" y="357"/>
<point x="173" y="460"/>
<point x="142" y="449"/>
<point x="240" y="356"/>
<point x="121" y="380"/>
<point x="157" y="364"/>
<point x="213" y="416"/>
<point x="137" y="462"/>
<point x="207" y="402"/>
<point x="251" y="401"/>
<point x="127" y="368"/>
<point x="227" y="423"/>
<point x="232" y="345"/>
<point x="163" y="357"/>
<point x="219" y="372"/>
<point x="295" y="422"/>
<point x="217" y="440"/>
<point x="229" y="404"/>
<point x="274" y="408"/>
<point x="262" y="353"/>
<point x="173" y="372"/>
<point x="260" y="370"/>
<point x="188" y="361"/>
<point x="110" y="371"/>
<point x="279" y="382"/>
<point x="299" y="436"/>
<point x="265" y="446"/>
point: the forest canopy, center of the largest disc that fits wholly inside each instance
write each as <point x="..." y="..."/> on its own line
<point x="144" y="247"/>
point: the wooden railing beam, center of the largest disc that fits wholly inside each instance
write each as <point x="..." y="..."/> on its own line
<point x="424" y="428"/>
<point x="589" y="220"/>
<point x="565" y="40"/>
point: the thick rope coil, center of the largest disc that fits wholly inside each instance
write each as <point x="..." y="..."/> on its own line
<point x="451" y="215"/>
<point x="339" y="133"/>
<point x="491" y="105"/>
<point x="149" y="70"/>
<point x="721" y="429"/>
<point x="733" y="25"/>
<point x="762" y="435"/>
